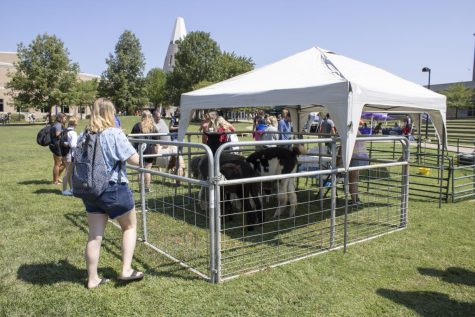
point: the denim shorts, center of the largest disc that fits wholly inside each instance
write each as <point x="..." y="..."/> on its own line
<point x="116" y="201"/>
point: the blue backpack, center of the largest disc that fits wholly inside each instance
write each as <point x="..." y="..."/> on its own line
<point x="90" y="177"/>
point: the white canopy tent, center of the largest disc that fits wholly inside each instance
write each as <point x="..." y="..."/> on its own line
<point x="318" y="79"/>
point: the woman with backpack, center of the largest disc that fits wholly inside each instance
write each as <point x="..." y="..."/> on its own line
<point x="145" y="126"/>
<point x="116" y="201"/>
<point x="55" y="147"/>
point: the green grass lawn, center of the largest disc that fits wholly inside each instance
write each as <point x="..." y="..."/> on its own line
<point x="426" y="270"/>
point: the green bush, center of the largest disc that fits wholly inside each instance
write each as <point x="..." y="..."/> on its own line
<point x="17" y="117"/>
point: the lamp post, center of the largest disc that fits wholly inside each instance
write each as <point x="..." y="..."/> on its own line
<point x="427" y="70"/>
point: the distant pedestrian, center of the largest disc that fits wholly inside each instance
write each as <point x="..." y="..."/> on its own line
<point x="55" y="147"/>
<point x="285" y="127"/>
<point x="70" y="145"/>
<point x="327" y="127"/>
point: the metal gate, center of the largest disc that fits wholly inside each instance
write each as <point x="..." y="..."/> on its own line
<point x="219" y="243"/>
<point x="463" y="179"/>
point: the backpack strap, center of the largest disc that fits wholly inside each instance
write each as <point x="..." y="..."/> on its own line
<point x="119" y="178"/>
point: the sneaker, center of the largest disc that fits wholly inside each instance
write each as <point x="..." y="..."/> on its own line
<point x="67" y="192"/>
<point x="148" y="190"/>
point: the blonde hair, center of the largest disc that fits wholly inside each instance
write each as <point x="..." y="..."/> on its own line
<point x="102" y="115"/>
<point x="213" y="119"/>
<point x="221" y="122"/>
<point x="272" y="121"/>
<point x="72" y="121"/>
<point x="147" y="123"/>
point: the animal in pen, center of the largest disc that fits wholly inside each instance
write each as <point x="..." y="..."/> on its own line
<point x="277" y="161"/>
<point x="235" y="167"/>
<point x="169" y="162"/>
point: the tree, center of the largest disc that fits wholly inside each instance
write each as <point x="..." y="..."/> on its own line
<point x="230" y="65"/>
<point x="123" y="80"/>
<point x="459" y="97"/>
<point x="195" y="61"/>
<point x="85" y="94"/>
<point x="44" y="75"/>
<point x="200" y="60"/>
<point x="155" y="86"/>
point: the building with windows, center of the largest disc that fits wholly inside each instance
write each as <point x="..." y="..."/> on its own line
<point x="6" y="102"/>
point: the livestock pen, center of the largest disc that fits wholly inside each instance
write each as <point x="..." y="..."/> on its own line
<point x="203" y="221"/>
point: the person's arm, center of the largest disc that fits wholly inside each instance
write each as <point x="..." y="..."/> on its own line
<point x="134" y="159"/>
<point x="57" y="132"/>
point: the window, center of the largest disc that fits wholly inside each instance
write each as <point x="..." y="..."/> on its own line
<point x="65" y="109"/>
<point x="1" y="105"/>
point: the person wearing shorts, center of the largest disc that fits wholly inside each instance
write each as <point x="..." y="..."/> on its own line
<point x="117" y="201"/>
<point x="55" y="148"/>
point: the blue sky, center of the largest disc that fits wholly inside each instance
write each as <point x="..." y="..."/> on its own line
<point x="400" y="36"/>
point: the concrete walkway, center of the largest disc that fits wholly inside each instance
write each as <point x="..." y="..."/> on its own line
<point x="450" y="148"/>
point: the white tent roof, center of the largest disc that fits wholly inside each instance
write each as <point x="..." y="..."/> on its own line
<point x="316" y="79"/>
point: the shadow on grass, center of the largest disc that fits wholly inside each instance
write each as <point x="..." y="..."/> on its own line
<point x="113" y="246"/>
<point x="454" y="275"/>
<point x="35" y="182"/>
<point x="47" y="191"/>
<point x="429" y="303"/>
<point x="52" y="273"/>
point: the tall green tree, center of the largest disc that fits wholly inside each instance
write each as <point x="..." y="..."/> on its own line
<point x="195" y="61"/>
<point x="230" y="65"/>
<point x="200" y="60"/>
<point x="85" y="94"/>
<point x="44" y="75"/>
<point x="155" y="86"/>
<point x="459" y="97"/>
<point x="123" y="80"/>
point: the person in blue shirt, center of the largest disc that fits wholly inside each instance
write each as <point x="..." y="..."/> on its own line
<point x="285" y="127"/>
<point x="117" y="201"/>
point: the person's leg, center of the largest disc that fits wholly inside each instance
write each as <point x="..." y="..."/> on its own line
<point x="128" y="223"/>
<point x="97" y="224"/>
<point x="61" y="167"/>
<point x="147" y="177"/>
<point x="353" y="185"/>
<point x="66" y="178"/>
<point x="58" y="162"/>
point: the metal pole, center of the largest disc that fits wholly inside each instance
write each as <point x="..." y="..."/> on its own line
<point x="217" y="216"/>
<point x="142" y="194"/>
<point x="442" y="170"/>
<point x="214" y="229"/>
<point x="320" y="178"/>
<point x="333" y="196"/>
<point x="405" y="186"/>
<point x="345" y="233"/>
<point x="419" y="146"/>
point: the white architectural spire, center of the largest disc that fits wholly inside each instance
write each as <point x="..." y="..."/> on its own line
<point x="179" y="33"/>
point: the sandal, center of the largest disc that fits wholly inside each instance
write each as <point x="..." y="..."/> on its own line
<point x="103" y="281"/>
<point x="135" y="276"/>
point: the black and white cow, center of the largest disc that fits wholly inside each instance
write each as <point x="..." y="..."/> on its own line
<point x="277" y="161"/>
<point x="235" y="167"/>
